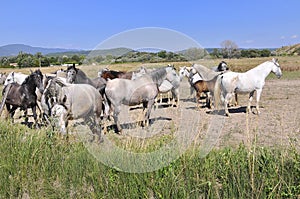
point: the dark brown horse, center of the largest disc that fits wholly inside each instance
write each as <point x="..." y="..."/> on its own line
<point x="112" y="74"/>
<point x="23" y="96"/>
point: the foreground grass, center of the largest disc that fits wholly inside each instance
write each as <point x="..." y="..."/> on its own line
<point x="41" y="164"/>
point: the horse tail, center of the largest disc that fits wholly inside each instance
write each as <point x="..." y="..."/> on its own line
<point x="106" y="104"/>
<point x="217" y="91"/>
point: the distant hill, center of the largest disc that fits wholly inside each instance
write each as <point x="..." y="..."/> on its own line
<point x="93" y="53"/>
<point x="289" y="50"/>
<point x="14" y="49"/>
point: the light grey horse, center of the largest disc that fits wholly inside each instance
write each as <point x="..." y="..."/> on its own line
<point x="79" y="100"/>
<point x="167" y="86"/>
<point x="142" y="90"/>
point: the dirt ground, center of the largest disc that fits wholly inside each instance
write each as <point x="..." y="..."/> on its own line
<point x="277" y="125"/>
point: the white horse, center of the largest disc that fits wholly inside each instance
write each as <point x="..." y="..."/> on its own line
<point x="15" y="77"/>
<point x="253" y="80"/>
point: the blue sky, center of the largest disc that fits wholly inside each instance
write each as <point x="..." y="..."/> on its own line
<point x="84" y="24"/>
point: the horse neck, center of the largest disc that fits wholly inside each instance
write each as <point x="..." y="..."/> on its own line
<point x="29" y="84"/>
<point x="158" y="76"/>
<point x="263" y="69"/>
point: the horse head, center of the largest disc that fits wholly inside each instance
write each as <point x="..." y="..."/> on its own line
<point x="38" y="79"/>
<point x="276" y="68"/>
<point x="71" y="74"/>
<point x="222" y="66"/>
<point x="183" y="71"/>
<point x="9" y="79"/>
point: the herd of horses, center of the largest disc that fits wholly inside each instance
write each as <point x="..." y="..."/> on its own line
<point x="71" y="94"/>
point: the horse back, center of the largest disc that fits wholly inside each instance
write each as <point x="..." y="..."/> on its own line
<point x="81" y="100"/>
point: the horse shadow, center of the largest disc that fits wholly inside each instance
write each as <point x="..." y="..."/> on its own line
<point x="136" y="124"/>
<point x="241" y="109"/>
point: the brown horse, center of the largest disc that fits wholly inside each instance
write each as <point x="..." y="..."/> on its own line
<point x="113" y="74"/>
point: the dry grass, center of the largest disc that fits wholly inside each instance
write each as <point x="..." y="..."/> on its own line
<point x="288" y="64"/>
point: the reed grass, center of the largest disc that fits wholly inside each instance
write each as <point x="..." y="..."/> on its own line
<point x="42" y="164"/>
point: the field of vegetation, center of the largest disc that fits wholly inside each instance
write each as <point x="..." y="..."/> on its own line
<point x="40" y="163"/>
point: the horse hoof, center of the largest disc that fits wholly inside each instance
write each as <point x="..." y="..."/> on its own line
<point x="227" y="114"/>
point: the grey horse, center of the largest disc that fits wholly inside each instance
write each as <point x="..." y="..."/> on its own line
<point x="142" y="90"/>
<point x="78" y="101"/>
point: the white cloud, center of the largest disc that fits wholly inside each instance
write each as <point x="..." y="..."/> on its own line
<point x="249" y="41"/>
<point x="294" y="36"/>
<point x="282" y="37"/>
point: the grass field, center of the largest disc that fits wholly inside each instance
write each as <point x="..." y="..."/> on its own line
<point x="40" y="163"/>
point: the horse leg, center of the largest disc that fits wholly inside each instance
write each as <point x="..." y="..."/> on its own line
<point x="258" y="93"/>
<point x="226" y="101"/>
<point x="147" y="115"/>
<point x="11" y="111"/>
<point x="236" y="100"/>
<point x="115" y="116"/>
<point x="34" y="116"/>
<point x="63" y="123"/>
<point x="249" y="102"/>
<point x="208" y="100"/>
<point x="26" y="116"/>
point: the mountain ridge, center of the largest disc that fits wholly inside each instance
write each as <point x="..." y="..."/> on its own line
<point x="14" y="49"/>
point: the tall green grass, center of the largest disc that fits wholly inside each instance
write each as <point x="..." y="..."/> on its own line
<point x="42" y="164"/>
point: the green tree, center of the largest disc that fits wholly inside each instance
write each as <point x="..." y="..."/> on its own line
<point x="162" y="54"/>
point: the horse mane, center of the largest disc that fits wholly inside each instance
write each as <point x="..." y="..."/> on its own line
<point x="206" y="73"/>
<point x="157" y="75"/>
<point x="37" y="72"/>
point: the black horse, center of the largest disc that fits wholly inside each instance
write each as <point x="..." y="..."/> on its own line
<point x="77" y="76"/>
<point x="23" y="96"/>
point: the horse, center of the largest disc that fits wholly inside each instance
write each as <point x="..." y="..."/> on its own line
<point x="24" y="96"/>
<point x="3" y="77"/>
<point x="248" y="82"/>
<point x="73" y="101"/>
<point x="15" y="77"/>
<point x="197" y="82"/>
<point x="166" y="86"/>
<point x="170" y="85"/>
<point x="19" y="78"/>
<point x="112" y="74"/>
<point x="221" y="67"/>
<point x="77" y="76"/>
<point x="142" y="90"/>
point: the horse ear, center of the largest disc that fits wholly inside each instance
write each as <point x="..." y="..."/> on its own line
<point x="275" y="60"/>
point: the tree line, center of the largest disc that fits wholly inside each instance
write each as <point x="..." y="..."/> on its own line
<point x="23" y="60"/>
<point x="228" y="50"/>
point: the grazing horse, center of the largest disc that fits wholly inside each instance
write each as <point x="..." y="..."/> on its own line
<point x="134" y="92"/>
<point x="73" y="101"/>
<point x="24" y="96"/>
<point x="253" y="80"/>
